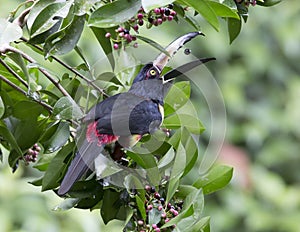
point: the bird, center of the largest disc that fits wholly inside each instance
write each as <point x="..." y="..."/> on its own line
<point x="124" y="118"/>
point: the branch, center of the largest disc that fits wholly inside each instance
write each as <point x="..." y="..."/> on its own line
<point x="70" y="69"/>
<point x="7" y="48"/>
<point x="16" y="75"/>
<point x="14" y="86"/>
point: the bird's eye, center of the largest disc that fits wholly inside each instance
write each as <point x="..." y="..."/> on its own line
<point x="152" y="72"/>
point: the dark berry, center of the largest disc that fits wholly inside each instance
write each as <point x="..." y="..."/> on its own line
<point x="150" y="20"/>
<point x="140" y="22"/>
<point x="169" y="205"/>
<point x="167" y="11"/>
<point x="126" y="31"/>
<point x="152" y="189"/>
<point x="162" y="200"/>
<point x="171" y="6"/>
<point x="187" y="51"/>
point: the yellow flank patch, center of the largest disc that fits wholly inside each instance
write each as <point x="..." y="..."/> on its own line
<point x="161" y="110"/>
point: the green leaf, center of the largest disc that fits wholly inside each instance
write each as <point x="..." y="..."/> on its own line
<point x="111" y="205"/>
<point x="177" y="96"/>
<point x="154" y="216"/>
<point x="153" y="44"/>
<point x="114" y="13"/>
<point x="141" y="206"/>
<point x="41" y="38"/>
<point x="203" y="7"/>
<point x="191" y="123"/>
<point x="234" y="28"/>
<point x="83" y="6"/>
<point x="2" y="107"/>
<point x="146" y="161"/>
<point x="56" y="167"/>
<point x="149" y="5"/>
<point x="105" y="44"/>
<point x="27" y="110"/>
<point x="177" y="171"/>
<point x="36" y="10"/>
<point x="216" y="178"/>
<point x="49" y="16"/>
<point x="55" y="137"/>
<point x="9" y="31"/>
<point x="8" y="136"/>
<point x="223" y="10"/>
<point x="68" y="40"/>
<point x="66" y="108"/>
<point x="166" y="159"/>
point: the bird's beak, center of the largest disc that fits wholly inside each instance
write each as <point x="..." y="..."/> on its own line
<point x="185" y="68"/>
<point x="163" y="58"/>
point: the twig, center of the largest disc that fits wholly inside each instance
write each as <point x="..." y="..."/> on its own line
<point x="7" y="48"/>
<point x="45" y="105"/>
<point x="16" y="75"/>
<point x="70" y="68"/>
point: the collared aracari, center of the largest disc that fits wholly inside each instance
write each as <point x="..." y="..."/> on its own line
<point x="124" y="118"/>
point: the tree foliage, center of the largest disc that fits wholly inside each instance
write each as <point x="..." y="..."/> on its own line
<point x="40" y="109"/>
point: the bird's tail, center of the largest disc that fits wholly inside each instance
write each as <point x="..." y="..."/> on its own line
<point x="82" y="162"/>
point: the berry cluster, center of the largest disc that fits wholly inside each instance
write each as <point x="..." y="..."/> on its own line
<point x="155" y="17"/>
<point x="154" y="201"/>
<point x="32" y="154"/>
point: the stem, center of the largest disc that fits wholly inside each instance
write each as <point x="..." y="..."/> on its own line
<point x="70" y="69"/>
<point x="14" y="86"/>
<point x="9" y="69"/>
<point x="7" y="48"/>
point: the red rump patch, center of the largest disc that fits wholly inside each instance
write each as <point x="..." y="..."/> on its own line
<point x="92" y="135"/>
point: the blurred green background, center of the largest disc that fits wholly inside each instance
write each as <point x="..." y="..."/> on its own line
<point x="259" y="77"/>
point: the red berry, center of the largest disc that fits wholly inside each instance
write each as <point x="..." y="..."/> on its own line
<point x="140" y="222"/>
<point x="163" y="215"/>
<point x="140" y="15"/>
<point x="136" y="27"/>
<point x="107" y="35"/>
<point x="170" y="17"/>
<point x="157" y="230"/>
<point x="159" y="208"/>
<point x="135" y="45"/>
<point x="148" y="188"/>
<point x="173" y="13"/>
<point x="120" y="29"/>
<point x="156" y="195"/>
<point x="159" y="21"/>
<point x="116" y="46"/>
<point x="150" y="207"/>
<point x="156" y="11"/>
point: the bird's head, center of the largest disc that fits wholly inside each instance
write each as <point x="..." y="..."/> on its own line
<point x="154" y="69"/>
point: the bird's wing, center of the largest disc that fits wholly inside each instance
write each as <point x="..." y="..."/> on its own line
<point x="129" y="114"/>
